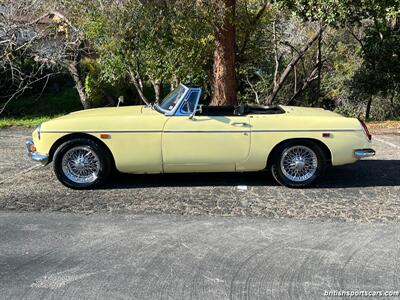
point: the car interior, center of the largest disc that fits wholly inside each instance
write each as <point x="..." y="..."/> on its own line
<point x="240" y="110"/>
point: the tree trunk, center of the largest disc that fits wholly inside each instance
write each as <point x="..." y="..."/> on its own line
<point x="158" y="90"/>
<point x="293" y="63"/>
<point x="276" y="54"/>
<point x="319" y="64"/>
<point x="75" y="71"/>
<point x="368" y="110"/>
<point x="174" y="82"/>
<point x="140" y="81"/>
<point x="224" y="71"/>
<point x="138" y="85"/>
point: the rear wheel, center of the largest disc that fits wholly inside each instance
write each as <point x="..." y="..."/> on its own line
<point x="298" y="164"/>
<point x="82" y="163"/>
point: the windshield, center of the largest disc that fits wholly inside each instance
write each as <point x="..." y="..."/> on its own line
<point x="172" y="99"/>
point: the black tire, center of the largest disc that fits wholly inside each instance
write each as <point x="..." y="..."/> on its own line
<point x="104" y="163"/>
<point x="279" y="174"/>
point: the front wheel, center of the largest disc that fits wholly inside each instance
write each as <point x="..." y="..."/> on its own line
<point x="82" y="163"/>
<point x="298" y="164"/>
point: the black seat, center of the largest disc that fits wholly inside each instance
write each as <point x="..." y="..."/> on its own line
<point x="255" y="109"/>
<point x="240" y="110"/>
<point x="227" y="110"/>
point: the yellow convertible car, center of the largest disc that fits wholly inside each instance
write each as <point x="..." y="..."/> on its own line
<point x="297" y="144"/>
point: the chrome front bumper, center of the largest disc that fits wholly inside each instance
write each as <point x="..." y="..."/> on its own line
<point x="362" y="153"/>
<point x="43" y="159"/>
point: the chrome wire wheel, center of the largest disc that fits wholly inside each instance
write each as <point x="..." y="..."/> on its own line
<point x="81" y="165"/>
<point x="299" y="163"/>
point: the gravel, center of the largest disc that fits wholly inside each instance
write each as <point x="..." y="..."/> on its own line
<point x="368" y="191"/>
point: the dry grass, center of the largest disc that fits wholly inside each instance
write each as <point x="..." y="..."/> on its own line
<point x="384" y="126"/>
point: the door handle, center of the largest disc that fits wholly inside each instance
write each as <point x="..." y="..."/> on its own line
<point x="240" y="124"/>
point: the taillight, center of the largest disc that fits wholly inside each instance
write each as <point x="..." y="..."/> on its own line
<point x="369" y="136"/>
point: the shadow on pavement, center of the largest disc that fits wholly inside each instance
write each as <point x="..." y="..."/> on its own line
<point x="368" y="173"/>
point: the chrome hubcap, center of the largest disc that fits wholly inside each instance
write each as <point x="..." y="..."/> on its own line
<point x="81" y="165"/>
<point x="299" y="163"/>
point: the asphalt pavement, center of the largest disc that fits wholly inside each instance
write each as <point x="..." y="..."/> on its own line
<point x="103" y="256"/>
<point x="199" y="236"/>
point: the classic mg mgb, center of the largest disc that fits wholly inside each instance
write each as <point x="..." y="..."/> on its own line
<point x="297" y="144"/>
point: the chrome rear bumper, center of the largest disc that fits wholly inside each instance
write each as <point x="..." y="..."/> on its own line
<point x="361" y="153"/>
<point x="43" y="159"/>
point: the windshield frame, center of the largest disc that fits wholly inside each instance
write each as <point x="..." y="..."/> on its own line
<point x="177" y="105"/>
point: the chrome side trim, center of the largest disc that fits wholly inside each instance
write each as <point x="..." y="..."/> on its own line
<point x="207" y="131"/>
<point x="101" y="131"/>
<point x="202" y="131"/>
<point x="362" y="153"/>
<point x="306" y="130"/>
<point x="43" y="159"/>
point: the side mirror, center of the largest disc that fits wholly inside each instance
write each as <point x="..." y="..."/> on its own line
<point x="121" y="100"/>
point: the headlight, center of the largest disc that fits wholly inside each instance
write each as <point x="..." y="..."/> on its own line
<point x="38" y="131"/>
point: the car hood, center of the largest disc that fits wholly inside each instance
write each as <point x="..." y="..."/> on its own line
<point x="99" y="118"/>
<point x="127" y="111"/>
<point x="108" y="111"/>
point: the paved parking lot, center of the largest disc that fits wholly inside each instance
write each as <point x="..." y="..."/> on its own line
<point x="368" y="191"/>
<point x="130" y="240"/>
<point x="103" y="256"/>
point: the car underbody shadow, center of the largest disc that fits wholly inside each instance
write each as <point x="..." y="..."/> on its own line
<point x="366" y="173"/>
<point x="190" y="180"/>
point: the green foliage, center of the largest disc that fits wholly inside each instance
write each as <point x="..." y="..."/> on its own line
<point x="381" y="53"/>
<point x="154" y="41"/>
<point x="382" y="109"/>
<point x="93" y="86"/>
<point x="254" y="36"/>
<point x="348" y="110"/>
<point x="332" y="12"/>
<point x="173" y="41"/>
<point x="52" y="104"/>
<point x="24" y="121"/>
<point x="378" y="77"/>
<point x="360" y="50"/>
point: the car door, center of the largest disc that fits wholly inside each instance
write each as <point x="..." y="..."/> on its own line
<point x="205" y="143"/>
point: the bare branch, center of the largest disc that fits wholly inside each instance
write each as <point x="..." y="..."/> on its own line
<point x="293" y="63"/>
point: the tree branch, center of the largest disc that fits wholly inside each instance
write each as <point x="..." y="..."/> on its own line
<point x="293" y="63"/>
<point x="252" y="24"/>
<point x="136" y="83"/>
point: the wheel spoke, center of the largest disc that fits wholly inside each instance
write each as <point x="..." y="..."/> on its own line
<point x="299" y="163"/>
<point x="81" y="164"/>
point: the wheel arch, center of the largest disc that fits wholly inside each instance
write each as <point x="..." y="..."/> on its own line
<point x="319" y="143"/>
<point x="77" y="135"/>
